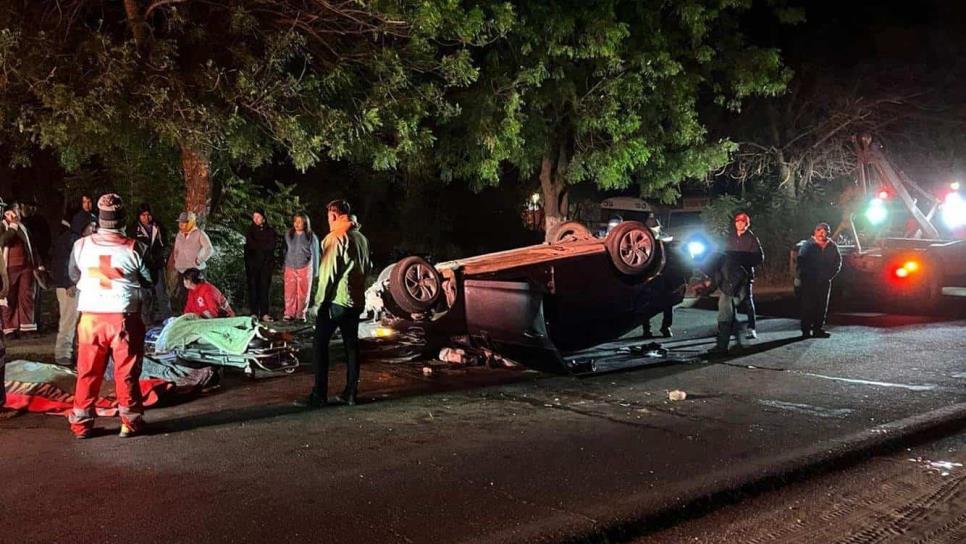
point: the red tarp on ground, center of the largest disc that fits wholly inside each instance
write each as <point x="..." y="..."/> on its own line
<point x="46" y="388"/>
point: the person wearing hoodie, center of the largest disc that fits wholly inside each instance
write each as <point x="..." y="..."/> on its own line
<point x="339" y="301"/>
<point x="728" y="273"/>
<point x="154" y="305"/>
<point x="192" y="249"/>
<point x="80" y="226"/>
<point x="301" y="265"/>
<point x="260" y="242"/>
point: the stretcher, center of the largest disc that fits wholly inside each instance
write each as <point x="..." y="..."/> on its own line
<point x="238" y="342"/>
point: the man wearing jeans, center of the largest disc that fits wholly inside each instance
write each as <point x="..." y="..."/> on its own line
<point x="339" y="300"/>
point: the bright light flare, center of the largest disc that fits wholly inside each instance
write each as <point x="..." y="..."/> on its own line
<point x="696" y="249"/>
<point x="907" y="269"/>
<point x="883" y="195"/>
<point x="954" y="186"/>
<point x="901" y="272"/>
<point x="877" y="212"/>
<point x="954" y="211"/>
<point x="911" y="266"/>
<point x="383" y="332"/>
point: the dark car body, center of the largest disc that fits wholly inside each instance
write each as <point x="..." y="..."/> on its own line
<point x="534" y="304"/>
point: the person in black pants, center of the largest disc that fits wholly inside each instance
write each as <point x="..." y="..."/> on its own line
<point x="259" y="263"/>
<point x="819" y="261"/>
<point x="744" y="245"/>
<point x="339" y="300"/>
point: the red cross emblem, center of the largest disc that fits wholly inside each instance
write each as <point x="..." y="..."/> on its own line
<point x="104" y="272"/>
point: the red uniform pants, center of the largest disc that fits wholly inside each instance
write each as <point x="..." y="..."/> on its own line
<point x="18" y="314"/>
<point x="296" y="281"/>
<point x="122" y="337"/>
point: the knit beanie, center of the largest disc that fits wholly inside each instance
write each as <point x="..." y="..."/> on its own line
<point x="110" y="211"/>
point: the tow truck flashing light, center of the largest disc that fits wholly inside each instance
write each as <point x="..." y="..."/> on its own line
<point x="876" y="213"/>
<point x="954" y="211"/>
<point x="906" y="269"/>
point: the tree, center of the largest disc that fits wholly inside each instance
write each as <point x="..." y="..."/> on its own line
<point x="224" y="84"/>
<point x="608" y="92"/>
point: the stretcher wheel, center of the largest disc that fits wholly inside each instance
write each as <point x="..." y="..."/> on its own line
<point x="415" y="285"/>
<point x="632" y="248"/>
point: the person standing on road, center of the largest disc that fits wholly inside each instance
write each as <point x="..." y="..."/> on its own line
<point x="747" y="252"/>
<point x="819" y="261"/>
<point x="259" y="263"/>
<point x="727" y="274"/>
<point x="339" y="300"/>
<point x="154" y="304"/>
<point x="301" y="265"/>
<point x="192" y="249"/>
<point x="40" y="239"/>
<point x="110" y="272"/>
<point x="4" y="285"/>
<point x="66" y="289"/>
<point x="22" y="262"/>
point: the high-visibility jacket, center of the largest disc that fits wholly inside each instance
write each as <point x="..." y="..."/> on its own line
<point x="109" y="270"/>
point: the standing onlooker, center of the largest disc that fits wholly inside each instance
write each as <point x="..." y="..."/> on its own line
<point x="40" y="239"/>
<point x="260" y="242"/>
<point x="110" y="272"/>
<point x="339" y="300"/>
<point x="4" y="284"/>
<point x="301" y="266"/>
<point x="731" y="278"/>
<point x="80" y="226"/>
<point x="819" y="261"/>
<point x="154" y="305"/>
<point x="749" y="254"/>
<point x="22" y="261"/>
<point x="192" y="249"/>
<point x="86" y="208"/>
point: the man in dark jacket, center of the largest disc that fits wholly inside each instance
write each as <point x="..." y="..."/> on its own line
<point x="748" y="253"/>
<point x="155" y="305"/>
<point x="819" y="261"/>
<point x="80" y="226"/>
<point x="260" y="242"/>
<point x="727" y="273"/>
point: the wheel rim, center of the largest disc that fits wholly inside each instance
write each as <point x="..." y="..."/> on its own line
<point x="421" y="283"/>
<point x="635" y="248"/>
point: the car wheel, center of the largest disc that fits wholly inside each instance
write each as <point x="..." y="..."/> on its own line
<point x="415" y="285"/>
<point x="570" y="231"/>
<point x="632" y="247"/>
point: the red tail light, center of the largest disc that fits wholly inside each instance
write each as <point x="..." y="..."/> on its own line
<point x="908" y="268"/>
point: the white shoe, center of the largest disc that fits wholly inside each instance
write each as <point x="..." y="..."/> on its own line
<point x="752" y="335"/>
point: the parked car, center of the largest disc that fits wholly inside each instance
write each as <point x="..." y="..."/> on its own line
<point x="532" y="303"/>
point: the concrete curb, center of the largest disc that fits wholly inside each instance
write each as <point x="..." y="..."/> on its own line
<point x="822" y="457"/>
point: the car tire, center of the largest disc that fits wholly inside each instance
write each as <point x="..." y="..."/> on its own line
<point x="569" y="231"/>
<point x="632" y="248"/>
<point x="415" y="285"/>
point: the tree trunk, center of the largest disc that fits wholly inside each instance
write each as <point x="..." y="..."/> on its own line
<point x="197" y="181"/>
<point x="135" y="20"/>
<point x="554" y="190"/>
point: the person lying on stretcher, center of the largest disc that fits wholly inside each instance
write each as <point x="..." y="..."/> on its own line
<point x="204" y="299"/>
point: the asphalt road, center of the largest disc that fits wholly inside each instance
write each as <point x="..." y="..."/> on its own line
<point x="489" y="456"/>
<point x="916" y="494"/>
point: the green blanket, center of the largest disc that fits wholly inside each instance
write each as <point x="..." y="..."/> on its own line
<point x="227" y="334"/>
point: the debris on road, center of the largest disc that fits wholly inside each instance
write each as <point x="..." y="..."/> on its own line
<point x="677" y="394"/>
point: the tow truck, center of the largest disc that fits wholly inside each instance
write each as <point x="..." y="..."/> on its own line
<point x="895" y="252"/>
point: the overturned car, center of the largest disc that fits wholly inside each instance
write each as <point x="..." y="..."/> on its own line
<point x="532" y="304"/>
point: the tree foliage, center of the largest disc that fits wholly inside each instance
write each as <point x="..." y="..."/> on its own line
<point x="608" y="92"/>
<point x="98" y="82"/>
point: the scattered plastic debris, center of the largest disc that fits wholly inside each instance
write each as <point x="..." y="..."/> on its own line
<point x="676" y="395"/>
<point x="944" y="468"/>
